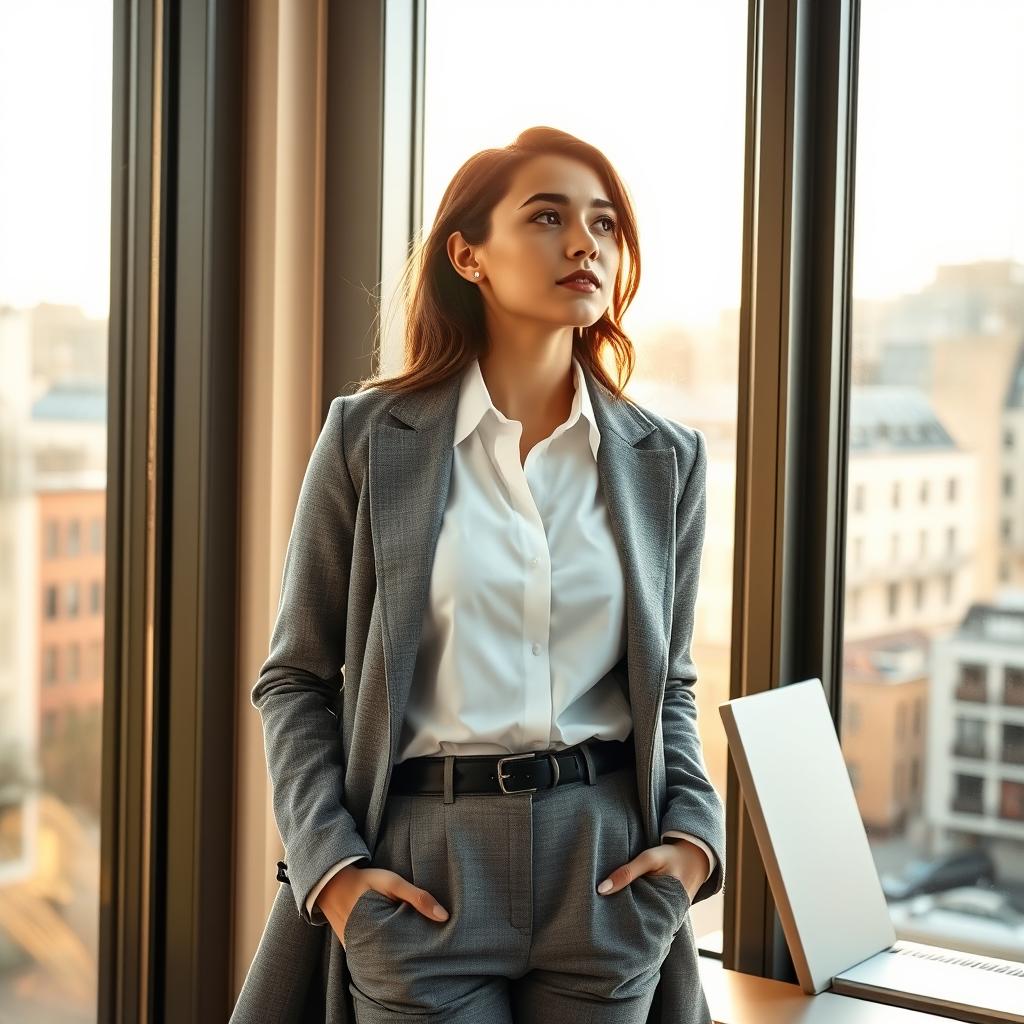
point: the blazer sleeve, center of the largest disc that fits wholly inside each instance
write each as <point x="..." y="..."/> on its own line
<point x="693" y="805"/>
<point x="299" y="684"/>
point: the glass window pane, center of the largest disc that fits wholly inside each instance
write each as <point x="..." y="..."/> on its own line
<point x="55" y="111"/>
<point x="662" y="93"/>
<point x="934" y="626"/>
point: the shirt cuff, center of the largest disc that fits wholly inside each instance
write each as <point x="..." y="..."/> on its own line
<point x="699" y="842"/>
<point x="328" y="875"/>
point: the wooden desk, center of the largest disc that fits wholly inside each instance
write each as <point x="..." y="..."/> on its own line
<point x="736" y="998"/>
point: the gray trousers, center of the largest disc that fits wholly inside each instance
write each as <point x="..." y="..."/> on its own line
<point x="528" y="938"/>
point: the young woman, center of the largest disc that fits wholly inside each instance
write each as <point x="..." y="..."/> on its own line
<point x="501" y="812"/>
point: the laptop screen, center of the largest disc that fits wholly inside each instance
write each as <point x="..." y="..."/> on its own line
<point x="804" y="813"/>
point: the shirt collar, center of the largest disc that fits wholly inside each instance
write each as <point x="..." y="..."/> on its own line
<point x="475" y="402"/>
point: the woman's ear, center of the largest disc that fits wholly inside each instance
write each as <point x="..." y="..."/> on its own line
<point x="463" y="258"/>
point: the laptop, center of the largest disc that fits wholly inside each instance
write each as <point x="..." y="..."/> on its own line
<point x="822" y="874"/>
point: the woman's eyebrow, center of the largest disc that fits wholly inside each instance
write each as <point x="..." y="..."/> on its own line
<point x="563" y="200"/>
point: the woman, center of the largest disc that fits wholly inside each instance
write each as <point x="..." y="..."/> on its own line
<point x="500" y="553"/>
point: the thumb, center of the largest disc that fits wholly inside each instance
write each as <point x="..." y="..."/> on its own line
<point x="623" y="875"/>
<point x="419" y="898"/>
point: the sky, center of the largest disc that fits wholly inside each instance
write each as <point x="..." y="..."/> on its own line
<point x="658" y="85"/>
<point x="55" y="137"/>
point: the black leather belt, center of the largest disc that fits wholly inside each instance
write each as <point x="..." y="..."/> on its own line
<point x="513" y="773"/>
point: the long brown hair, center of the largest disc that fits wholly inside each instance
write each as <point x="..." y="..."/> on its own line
<point x="445" y="325"/>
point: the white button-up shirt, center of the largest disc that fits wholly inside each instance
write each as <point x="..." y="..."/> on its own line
<point x="527" y="608"/>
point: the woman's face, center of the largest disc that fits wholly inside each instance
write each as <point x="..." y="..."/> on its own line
<point x="546" y="227"/>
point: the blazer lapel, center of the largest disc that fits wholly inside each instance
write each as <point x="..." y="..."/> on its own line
<point x="639" y="488"/>
<point x="410" y="466"/>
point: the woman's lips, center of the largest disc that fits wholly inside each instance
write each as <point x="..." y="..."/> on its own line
<point x="580" y="286"/>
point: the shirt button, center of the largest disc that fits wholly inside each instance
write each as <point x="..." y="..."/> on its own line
<point x="534" y="561"/>
<point x="536" y="648"/>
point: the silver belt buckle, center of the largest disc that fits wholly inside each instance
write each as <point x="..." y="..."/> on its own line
<point x="502" y="776"/>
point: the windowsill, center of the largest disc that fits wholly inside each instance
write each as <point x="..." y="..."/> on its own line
<point x="737" y="998"/>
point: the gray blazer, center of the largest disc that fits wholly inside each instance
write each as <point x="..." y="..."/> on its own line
<point x="333" y="690"/>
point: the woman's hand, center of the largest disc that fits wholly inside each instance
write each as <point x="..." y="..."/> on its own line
<point x="687" y="861"/>
<point x="339" y="895"/>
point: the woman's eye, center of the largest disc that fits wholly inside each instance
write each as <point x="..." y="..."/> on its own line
<point x="554" y="213"/>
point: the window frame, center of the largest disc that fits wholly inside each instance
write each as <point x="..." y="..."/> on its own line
<point x="794" y="397"/>
<point x="165" y="915"/>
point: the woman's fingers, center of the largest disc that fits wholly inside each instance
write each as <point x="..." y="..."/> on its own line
<point x="395" y="887"/>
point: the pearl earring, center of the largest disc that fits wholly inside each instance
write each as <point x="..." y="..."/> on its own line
<point x="476" y="273"/>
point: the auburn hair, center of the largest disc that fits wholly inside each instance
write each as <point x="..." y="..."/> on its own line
<point x="444" y="324"/>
